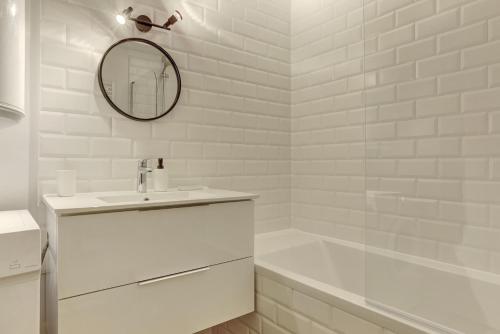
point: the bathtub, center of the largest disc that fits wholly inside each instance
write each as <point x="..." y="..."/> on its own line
<point x="402" y="293"/>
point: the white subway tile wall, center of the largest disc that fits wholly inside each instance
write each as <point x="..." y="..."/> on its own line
<point x="430" y="85"/>
<point x="231" y="128"/>
<point x="279" y="97"/>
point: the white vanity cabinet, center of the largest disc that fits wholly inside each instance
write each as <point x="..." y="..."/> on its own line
<point x="149" y="270"/>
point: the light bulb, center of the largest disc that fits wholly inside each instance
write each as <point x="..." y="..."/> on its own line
<point x="124" y="15"/>
<point x="178" y="15"/>
<point x="121" y="19"/>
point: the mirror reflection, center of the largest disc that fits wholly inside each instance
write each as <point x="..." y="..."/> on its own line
<point x="139" y="79"/>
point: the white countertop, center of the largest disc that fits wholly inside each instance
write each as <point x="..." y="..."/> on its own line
<point x="92" y="203"/>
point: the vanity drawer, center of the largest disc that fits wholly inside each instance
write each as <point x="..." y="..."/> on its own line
<point x="178" y="304"/>
<point x="101" y="251"/>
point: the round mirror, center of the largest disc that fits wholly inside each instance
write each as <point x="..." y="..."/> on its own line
<point x="139" y="79"/>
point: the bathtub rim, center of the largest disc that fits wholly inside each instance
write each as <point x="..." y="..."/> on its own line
<point x="470" y="273"/>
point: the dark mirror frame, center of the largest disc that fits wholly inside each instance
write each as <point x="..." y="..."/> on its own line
<point x="159" y="48"/>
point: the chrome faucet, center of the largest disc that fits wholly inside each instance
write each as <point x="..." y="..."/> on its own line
<point x="142" y="175"/>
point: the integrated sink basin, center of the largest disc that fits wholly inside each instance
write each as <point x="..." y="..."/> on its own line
<point x="150" y="197"/>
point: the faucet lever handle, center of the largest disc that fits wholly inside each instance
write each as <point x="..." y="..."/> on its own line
<point x="144" y="163"/>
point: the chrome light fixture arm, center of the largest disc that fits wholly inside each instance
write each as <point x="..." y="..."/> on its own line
<point x="144" y="23"/>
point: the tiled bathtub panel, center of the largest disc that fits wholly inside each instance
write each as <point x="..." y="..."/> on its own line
<point x="283" y="310"/>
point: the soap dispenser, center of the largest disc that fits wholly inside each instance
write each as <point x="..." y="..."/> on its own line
<point x="160" y="177"/>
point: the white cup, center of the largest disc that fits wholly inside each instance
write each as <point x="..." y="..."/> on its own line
<point x="66" y="182"/>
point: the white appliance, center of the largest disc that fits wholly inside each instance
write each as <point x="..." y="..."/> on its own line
<point x="20" y="260"/>
<point x="12" y="58"/>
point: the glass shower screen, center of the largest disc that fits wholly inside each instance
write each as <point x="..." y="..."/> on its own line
<point x="432" y="168"/>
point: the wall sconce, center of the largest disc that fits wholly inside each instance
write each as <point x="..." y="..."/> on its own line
<point x="143" y="23"/>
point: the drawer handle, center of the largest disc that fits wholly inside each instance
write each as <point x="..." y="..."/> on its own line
<point x="161" y="279"/>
